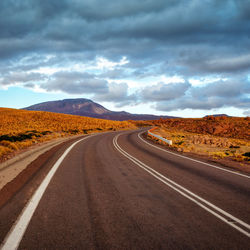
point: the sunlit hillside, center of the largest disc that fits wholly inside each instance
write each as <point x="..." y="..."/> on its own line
<point x="218" y="137"/>
<point x="231" y="127"/>
<point x="20" y="128"/>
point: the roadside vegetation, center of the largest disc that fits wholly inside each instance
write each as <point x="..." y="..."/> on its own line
<point x="216" y="137"/>
<point x="230" y="127"/>
<point x="20" y="129"/>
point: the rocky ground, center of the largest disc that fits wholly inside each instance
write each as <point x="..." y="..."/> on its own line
<point x="229" y="127"/>
<point x="231" y="152"/>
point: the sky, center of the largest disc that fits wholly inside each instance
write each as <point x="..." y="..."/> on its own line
<point x="186" y="58"/>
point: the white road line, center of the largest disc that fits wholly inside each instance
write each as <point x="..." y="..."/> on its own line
<point x="17" y="231"/>
<point x="208" y="206"/>
<point x="185" y="157"/>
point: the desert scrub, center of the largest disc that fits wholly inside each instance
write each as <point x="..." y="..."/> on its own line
<point x="9" y="145"/>
<point x="213" y="146"/>
<point x="246" y="156"/>
<point x="219" y="155"/>
<point x="4" y="151"/>
<point x="20" y="121"/>
<point x="239" y="157"/>
<point x="228" y="127"/>
<point x="20" y="129"/>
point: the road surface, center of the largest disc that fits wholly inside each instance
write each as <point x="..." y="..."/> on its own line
<point x="116" y="190"/>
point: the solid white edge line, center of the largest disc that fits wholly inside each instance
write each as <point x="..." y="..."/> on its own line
<point x="185" y="157"/>
<point x="17" y="231"/>
<point x="160" y="177"/>
<point x="188" y="191"/>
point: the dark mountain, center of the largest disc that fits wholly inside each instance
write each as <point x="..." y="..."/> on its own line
<point x="86" y="107"/>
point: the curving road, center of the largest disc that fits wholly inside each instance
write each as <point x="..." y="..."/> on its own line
<point x="116" y="190"/>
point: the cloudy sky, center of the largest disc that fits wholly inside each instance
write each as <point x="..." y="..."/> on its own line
<point x="185" y="58"/>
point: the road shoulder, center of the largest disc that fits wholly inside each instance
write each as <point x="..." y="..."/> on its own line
<point x="17" y="171"/>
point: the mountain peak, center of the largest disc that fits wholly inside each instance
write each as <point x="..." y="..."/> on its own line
<point x="79" y="106"/>
<point x="75" y="100"/>
<point x="86" y="107"/>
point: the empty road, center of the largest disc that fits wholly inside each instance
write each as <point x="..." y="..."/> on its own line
<point x="117" y="190"/>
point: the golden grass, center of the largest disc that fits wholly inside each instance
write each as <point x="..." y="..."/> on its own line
<point x="209" y="145"/>
<point x="18" y="121"/>
<point x="20" y="129"/>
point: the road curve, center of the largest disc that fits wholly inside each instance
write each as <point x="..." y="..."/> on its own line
<point x="116" y="191"/>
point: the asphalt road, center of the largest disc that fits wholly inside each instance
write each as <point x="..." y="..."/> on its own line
<point x="117" y="191"/>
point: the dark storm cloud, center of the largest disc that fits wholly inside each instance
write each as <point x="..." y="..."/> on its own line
<point x="189" y="38"/>
<point x="227" y="89"/>
<point x="212" y="62"/>
<point x="233" y="93"/>
<point x="21" y="78"/>
<point x="29" y="85"/>
<point x="81" y="25"/>
<point x="163" y="92"/>
<point x="75" y="83"/>
<point x="203" y="103"/>
<point x="84" y="83"/>
<point x="239" y="63"/>
<point x="117" y="9"/>
<point x="114" y="74"/>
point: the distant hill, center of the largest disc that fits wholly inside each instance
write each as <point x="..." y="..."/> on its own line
<point x="86" y="107"/>
<point x="223" y="126"/>
<point x="218" y="115"/>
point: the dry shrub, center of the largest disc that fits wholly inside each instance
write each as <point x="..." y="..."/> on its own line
<point x="21" y="128"/>
<point x="220" y="155"/>
<point x="8" y="144"/>
<point x="4" y="151"/>
<point x="209" y="145"/>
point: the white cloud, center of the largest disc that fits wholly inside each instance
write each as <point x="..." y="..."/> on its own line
<point x="103" y="63"/>
<point x="163" y="92"/>
<point x="117" y="93"/>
